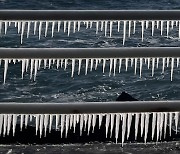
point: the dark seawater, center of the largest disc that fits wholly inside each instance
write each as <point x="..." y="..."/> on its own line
<point x="54" y="85"/>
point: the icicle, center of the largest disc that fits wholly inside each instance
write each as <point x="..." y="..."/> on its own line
<point x="153" y="23"/>
<point x="117" y="127"/>
<point x="124" y="32"/>
<point x="142" y="33"/>
<point x="57" y="121"/>
<point x="87" y="24"/>
<point x="129" y="28"/>
<point x="59" y="26"/>
<point x="118" y="27"/>
<point x="14" y="123"/>
<point x="87" y="63"/>
<point x="91" y="23"/>
<point x="46" y="120"/>
<point x="35" y="27"/>
<point x="28" y="28"/>
<point x="89" y="123"/>
<point x="50" y="63"/>
<point x="5" y="27"/>
<point x="52" y="30"/>
<point x="5" y="124"/>
<point x="19" y="26"/>
<point x="50" y="122"/>
<point x="176" y="120"/>
<point x="172" y="67"/>
<point x="149" y="62"/>
<point x="26" y="120"/>
<point x="22" y="31"/>
<point x="73" y="66"/>
<point x="79" y="69"/>
<point x="92" y="61"/>
<point x="102" y="25"/>
<point x="124" y="116"/>
<point x="136" y="124"/>
<point x="69" y="27"/>
<point x="120" y="63"/>
<point x="67" y="125"/>
<point x="79" y="25"/>
<point x="46" y="28"/>
<point x="153" y="124"/>
<point x="170" y="122"/>
<point x="112" y="124"/>
<point x="22" y="121"/>
<point x="23" y="68"/>
<point x="167" y="62"/>
<point x="158" y="125"/>
<point x="110" y="28"/>
<point x="105" y="28"/>
<point x="97" y="26"/>
<point x="65" y="26"/>
<point x="39" y="63"/>
<point x="147" y="24"/>
<point x="134" y="27"/>
<point x="162" y="27"/>
<point x="40" y="27"/>
<point x="100" y="120"/>
<point x="165" y="123"/>
<point x="157" y="24"/>
<point x="110" y="66"/>
<point x="63" y="118"/>
<point x="81" y="123"/>
<point x="41" y="124"/>
<point x="37" y="123"/>
<point x="96" y="64"/>
<point x="142" y="123"/>
<point x="74" y="27"/>
<point x="172" y="24"/>
<point x="115" y="61"/>
<point x="93" y="122"/>
<point x="176" y="23"/>
<point x="135" y="66"/>
<point x="104" y="64"/>
<point x="167" y="29"/>
<point x="5" y="69"/>
<point x="161" y="124"/>
<point x="107" y="123"/>
<point x="129" y="120"/>
<point x="153" y="63"/>
<point x="32" y="67"/>
<point x="157" y="62"/>
<point x="65" y="64"/>
<point x="146" y="126"/>
<point x="9" y="123"/>
<point x="85" y="121"/>
<point x="74" y="121"/>
<point x="140" y="68"/>
<point x="163" y="66"/>
<point x="177" y="62"/>
<point x="126" y="63"/>
<point x="45" y="63"/>
<point x="35" y="69"/>
<point x="15" y="23"/>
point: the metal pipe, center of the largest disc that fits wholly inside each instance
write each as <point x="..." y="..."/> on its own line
<point x="89" y="107"/>
<point x="89" y="14"/>
<point x="89" y="52"/>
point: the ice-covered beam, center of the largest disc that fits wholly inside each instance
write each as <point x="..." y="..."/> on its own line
<point x="89" y="14"/>
<point x="129" y="52"/>
<point x="89" y="107"/>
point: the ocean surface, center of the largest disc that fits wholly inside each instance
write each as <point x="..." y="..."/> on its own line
<point x="54" y="85"/>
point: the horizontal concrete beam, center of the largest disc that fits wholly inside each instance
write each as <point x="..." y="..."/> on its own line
<point x="89" y="107"/>
<point x="89" y="14"/>
<point x="45" y="53"/>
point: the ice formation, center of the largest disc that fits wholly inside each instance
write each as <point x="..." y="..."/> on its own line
<point x="106" y="26"/>
<point x="91" y="64"/>
<point x="87" y="122"/>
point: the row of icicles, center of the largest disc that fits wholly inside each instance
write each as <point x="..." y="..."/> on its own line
<point x="74" y="26"/>
<point x="87" y="122"/>
<point x="115" y="65"/>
